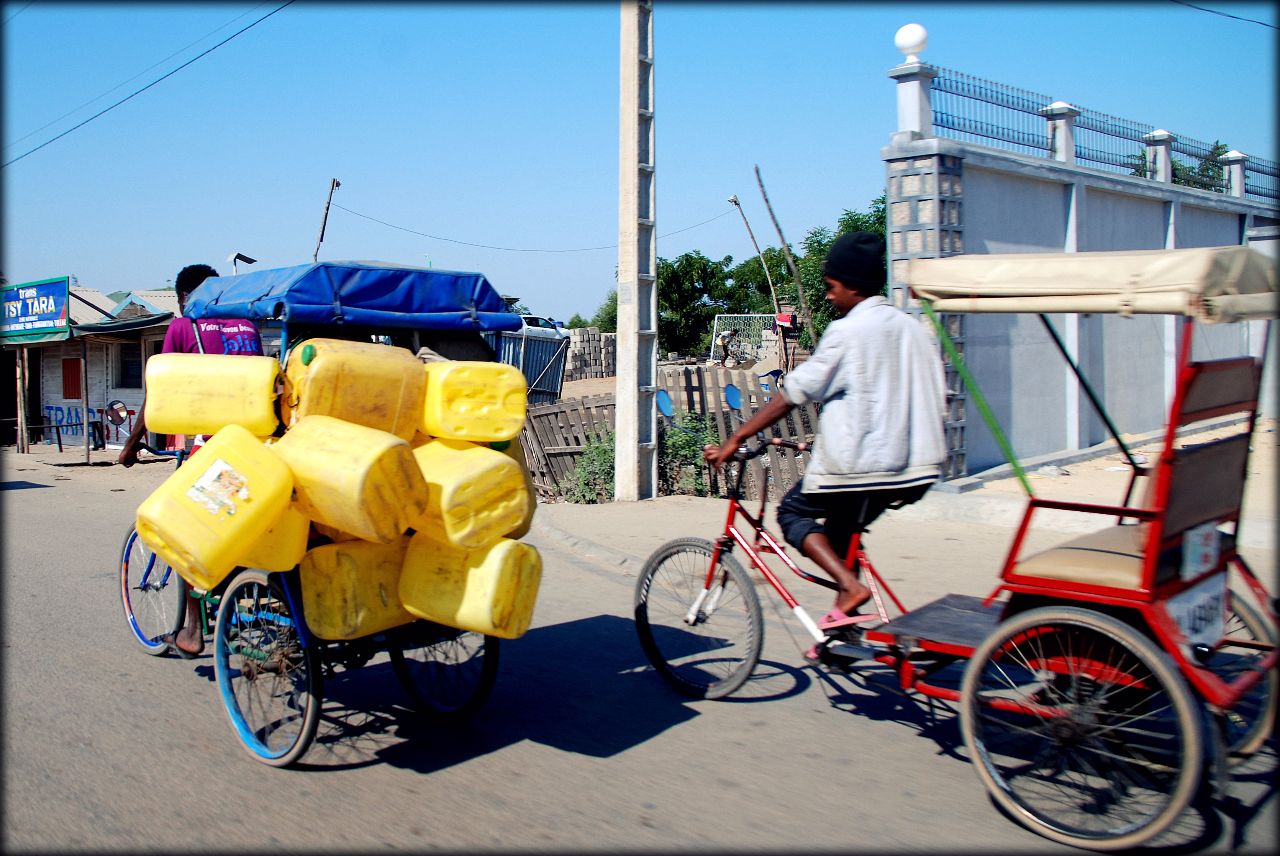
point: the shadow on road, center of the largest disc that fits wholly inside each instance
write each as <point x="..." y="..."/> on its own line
<point x="582" y="686"/>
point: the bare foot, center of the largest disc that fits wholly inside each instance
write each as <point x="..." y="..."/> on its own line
<point x="849" y="601"/>
<point x="188" y="642"/>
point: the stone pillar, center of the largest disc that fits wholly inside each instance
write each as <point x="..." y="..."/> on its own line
<point x="1160" y="155"/>
<point x="915" y="110"/>
<point x="1234" y="161"/>
<point x="635" y="417"/>
<point x="1062" y="130"/>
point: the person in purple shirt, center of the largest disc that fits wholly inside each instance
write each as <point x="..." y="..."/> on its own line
<point x="216" y="336"/>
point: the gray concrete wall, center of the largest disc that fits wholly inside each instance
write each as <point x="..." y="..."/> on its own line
<point x="1013" y="203"/>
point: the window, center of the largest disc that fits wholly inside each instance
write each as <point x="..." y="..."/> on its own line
<point x="128" y="366"/>
<point x="71" y="378"/>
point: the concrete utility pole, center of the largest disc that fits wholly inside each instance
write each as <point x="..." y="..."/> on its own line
<point x="635" y="452"/>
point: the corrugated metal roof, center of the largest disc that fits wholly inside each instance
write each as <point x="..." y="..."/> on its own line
<point x="81" y="313"/>
<point x="166" y="299"/>
<point x="136" y="303"/>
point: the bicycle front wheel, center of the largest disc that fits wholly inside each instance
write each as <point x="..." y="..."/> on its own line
<point x="1081" y="728"/>
<point x="447" y="673"/>
<point x="269" y="682"/>
<point x="705" y="641"/>
<point x="152" y="594"/>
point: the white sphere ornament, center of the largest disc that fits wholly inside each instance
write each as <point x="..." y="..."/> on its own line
<point x="911" y="40"/>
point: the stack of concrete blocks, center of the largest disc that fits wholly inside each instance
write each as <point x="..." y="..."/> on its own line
<point x="591" y="354"/>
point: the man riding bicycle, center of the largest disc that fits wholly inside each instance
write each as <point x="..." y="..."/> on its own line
<point x="880" y="441"/>
<point x="186" y="336"/>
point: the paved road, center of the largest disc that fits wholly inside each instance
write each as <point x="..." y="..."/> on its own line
<point x="581" y="747"/>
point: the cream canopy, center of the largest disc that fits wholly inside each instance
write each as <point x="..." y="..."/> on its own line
<point x="1211" y="284"/>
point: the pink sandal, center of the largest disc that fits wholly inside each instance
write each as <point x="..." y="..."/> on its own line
<point x="836" y="619"/>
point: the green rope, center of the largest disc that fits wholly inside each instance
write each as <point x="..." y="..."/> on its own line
<point x="972" y="386"/>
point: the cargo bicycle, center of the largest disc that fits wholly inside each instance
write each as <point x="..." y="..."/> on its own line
<point x="1098" y="676"/>
<point x="270" y="664"/>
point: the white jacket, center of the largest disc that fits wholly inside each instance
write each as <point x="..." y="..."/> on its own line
<point x="880" y="380"/>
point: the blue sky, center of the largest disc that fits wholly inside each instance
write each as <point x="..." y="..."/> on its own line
<point x="497" y="124"/>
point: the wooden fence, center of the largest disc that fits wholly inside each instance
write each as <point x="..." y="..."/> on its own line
<point x="555" y="434"/>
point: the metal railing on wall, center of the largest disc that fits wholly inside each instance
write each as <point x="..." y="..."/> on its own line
<point x="977" y="110"/>
<point x="972" y="109"/>
<point x="1111" y="143"/>
<point x="1262" y="179"/>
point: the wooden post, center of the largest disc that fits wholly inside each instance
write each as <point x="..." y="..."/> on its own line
<point x="21" y="363"/>
<point x="84" y="392"/>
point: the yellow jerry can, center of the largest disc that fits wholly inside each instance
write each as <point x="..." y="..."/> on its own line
<point x="354" y="478"/>
<point x="475" y="494"/>
<point x="225" y="496"/>
<point x="473" y="400"/>
<point x="334" y="535"/>
<point x="378" y="386"/>
<point x="201" y="393"/>
<point x="514" y="449"/>
<point x="282" y="546"/>
<point x="491" y="590"/>
<point x="352" y="589"/>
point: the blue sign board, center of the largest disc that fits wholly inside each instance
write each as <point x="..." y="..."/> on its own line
<point x="35" y="309"/>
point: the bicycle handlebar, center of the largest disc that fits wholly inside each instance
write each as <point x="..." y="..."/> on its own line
<point x="163" y="453"/>
<point x="746" y="454"/>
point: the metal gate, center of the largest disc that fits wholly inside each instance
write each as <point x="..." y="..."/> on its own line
<point x="540" y="358"/>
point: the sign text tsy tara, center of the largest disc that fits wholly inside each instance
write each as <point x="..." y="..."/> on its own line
<point x="35" y="307"/>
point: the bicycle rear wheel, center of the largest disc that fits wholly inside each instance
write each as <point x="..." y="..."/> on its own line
<point x="1248" y="722"/>
<point x="708" y="651"/>
<point x="1081" y="728"/>
<point x="447" y="673"/>
<point x="269" y="681"/>
<point x="152" y="594"/>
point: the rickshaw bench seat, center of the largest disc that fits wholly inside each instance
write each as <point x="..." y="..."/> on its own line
<point x="1110" y="557"/>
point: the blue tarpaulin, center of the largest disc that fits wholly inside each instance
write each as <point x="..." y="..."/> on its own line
<point x="373" y="294"/>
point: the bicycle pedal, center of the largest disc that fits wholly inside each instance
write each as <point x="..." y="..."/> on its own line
<point x="839" y="650"/>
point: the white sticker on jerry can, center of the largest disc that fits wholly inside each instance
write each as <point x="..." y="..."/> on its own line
<point x="219" y="488"/>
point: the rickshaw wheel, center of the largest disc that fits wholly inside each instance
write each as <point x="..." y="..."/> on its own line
<point x="1248" y="723"/>
<point x="447" y="673"/>
<point x="1081" y="728"/>
<point x="152" y="594"/>
<point x="269" y="682"/>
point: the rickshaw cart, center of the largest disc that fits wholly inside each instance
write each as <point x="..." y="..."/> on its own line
<point x="1101" y="671"/>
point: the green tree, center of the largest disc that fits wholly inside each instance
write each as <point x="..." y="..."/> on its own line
<point x="577" y="321"/>
<point x="1207" y="174"/>
<point x="749" y="275"/>
<point x="685" y="305"/>
<point x="815" y="245"/>
<point x="606" y="317"/>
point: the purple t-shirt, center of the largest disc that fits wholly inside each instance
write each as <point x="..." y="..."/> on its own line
<point x="218" y="335"/>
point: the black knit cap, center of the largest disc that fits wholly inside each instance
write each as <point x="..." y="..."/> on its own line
<point x="856" y="259"/>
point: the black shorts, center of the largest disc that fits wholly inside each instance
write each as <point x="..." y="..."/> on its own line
<point x="843" y="512"/>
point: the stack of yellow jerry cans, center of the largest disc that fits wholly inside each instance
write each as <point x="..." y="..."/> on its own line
<point x="412" y="472"/>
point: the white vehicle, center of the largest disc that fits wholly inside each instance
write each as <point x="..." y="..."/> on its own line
<point x="536" y="325"/>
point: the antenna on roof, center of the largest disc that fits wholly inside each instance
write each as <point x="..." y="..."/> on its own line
<point x="235" y="258"/>
<point x="334" y="184"/>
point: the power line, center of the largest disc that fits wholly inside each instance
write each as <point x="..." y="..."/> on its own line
<point x="513" y="249"/>
<point x="1224" y="14"/>
<point x="99" y="97"/>
<point x="148" y="86"/>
